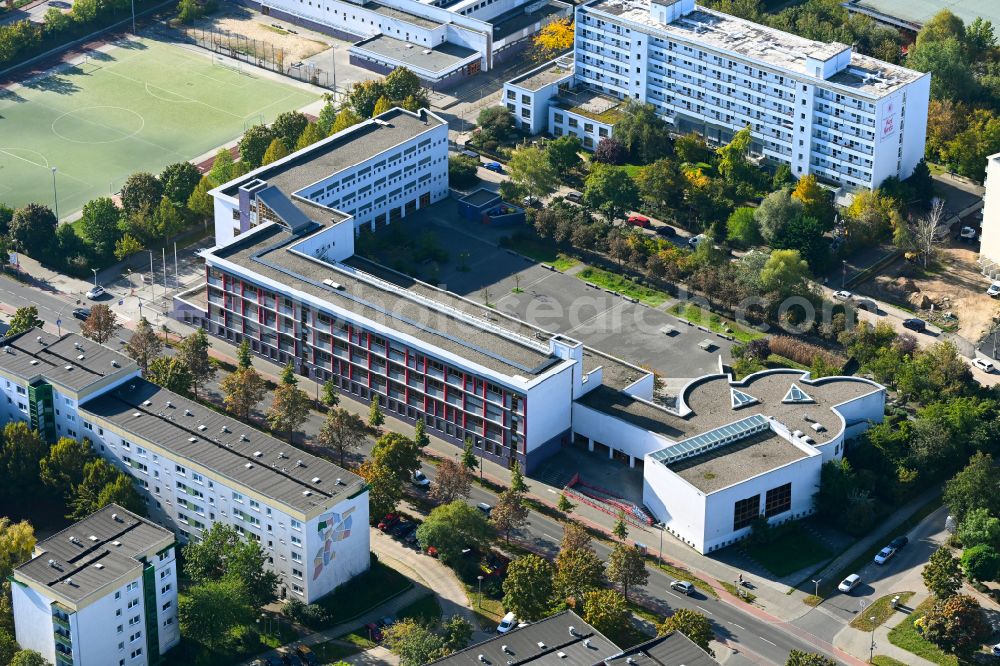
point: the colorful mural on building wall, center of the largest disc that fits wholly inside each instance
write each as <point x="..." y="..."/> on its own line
<point x="333" y="527"/>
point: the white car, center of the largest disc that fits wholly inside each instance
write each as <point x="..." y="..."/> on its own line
<point x="420" y="480"/>
<point x="849" y="583"/>
<point x="843" y="295"/>
<point x="994" y="289"/>
<point x="995" y="650"/>
<point x="983" y="364"/>
<point x="508" y="622"/>
<point x="95" y="292"/>
<point x="885" y="555"/>
<point x="695" y="241"/>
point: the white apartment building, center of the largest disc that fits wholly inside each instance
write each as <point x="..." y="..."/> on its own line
<point x="102" y="592"/>
<point x="375" y="173"/>
<point x="989" y="248"/>
<point x="820" y="108"/>
<point x="192" y="465"/>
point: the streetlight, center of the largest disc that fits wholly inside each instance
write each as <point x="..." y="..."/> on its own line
<point x="843" y="275"/>
<point x="333" y="59"/>
<point x="152" y="282"/>
<point x="134" y="32"/>
<point x="95" y="275"/>
<point x="480" y="578"/>
<point x="816" y="583"/>
<point x="659" y="555"/>
<point x="55" y="194"/>
<point x="871" y="650"/>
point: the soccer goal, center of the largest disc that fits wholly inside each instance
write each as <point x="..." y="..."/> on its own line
<point x="228" y="63"/>
<point x="253" y="119"/>
<point x="89" y="64"/>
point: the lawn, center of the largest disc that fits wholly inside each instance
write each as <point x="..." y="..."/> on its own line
<point x="333" y="651"/>
<point x="129" y="109"/>
<point x="713" y="322"/>
<point x="683" y="574"/>
<point x="792" y="549"/>
<point x="623" y="285"/>
<point x="905" y="635"/>
<point x="363" y="593"/>
<point x="540" y="251"/>
<point x="881" y="610"/>
<point x="882" y="660"/>
<point x="426" y="610"/>
<point x="488" y="611"/>
<point x="738" y="592"/>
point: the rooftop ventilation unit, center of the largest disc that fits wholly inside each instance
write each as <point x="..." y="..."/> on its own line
<point x="315" y="479"/>
<point x="818" y="427"/>
<point x="541" y="645"/>
<point x="69" y="581"/>
<point x="52" y="563"/>
<point x="426" y="51"/>
<point x="68" y="367"/>
<point x="561" y="654"/>
<point x="258" y="454"/>
<point x="114" y="517"/>
<point x="114" y="363"/>
<point x="98" y="566"/>
<point x="225" y="428"/>
<point x="147" y="403"/>
<point x="39" y="338"/>
<point x="333" y="285"/>
<point x="482" y="658"/>
<point x="34" y="361"/>
<point x="299" y="463"/>
<point x="92" y="537"/>
<point x="136" y="413"/>
<point x="339" y="482"/>
<point x="203" y="427"/>
<point x="192" y="439"/>
<point x="409" y="46"/>
<point x="244" y="438"/>
<point x="505" y="649"/>
<point x="572" y="631"/>
<point x="307" y="493"/>
<point x="116" y="544"/>
<point x="586" y="643"/>
<point x="79" y="357"/>
<point x="249" y="465"/>
<point x="169" y="404"/>
<point x="187" y="412"/>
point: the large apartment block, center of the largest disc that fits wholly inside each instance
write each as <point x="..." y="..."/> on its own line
<point x="193" y="465"/>
<point x="103" y="591"/>
<point x="818" y="107"/>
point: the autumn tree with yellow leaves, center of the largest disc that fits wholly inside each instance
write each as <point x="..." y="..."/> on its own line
<point x="553" y="39"/>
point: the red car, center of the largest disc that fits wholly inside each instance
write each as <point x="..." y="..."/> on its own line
<point x="639" y="221"/>
<point x="388" y="522"/>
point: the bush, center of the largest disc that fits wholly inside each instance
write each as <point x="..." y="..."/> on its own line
<point x="802" y="352"/>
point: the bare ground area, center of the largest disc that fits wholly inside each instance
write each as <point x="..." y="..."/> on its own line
<point x="954" y="284"/>
<point x="269" y="33"/>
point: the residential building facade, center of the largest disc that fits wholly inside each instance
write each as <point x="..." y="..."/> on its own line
<point x="989" y="248"/>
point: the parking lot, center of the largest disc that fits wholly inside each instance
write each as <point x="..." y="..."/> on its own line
<point x="482" y="271"/>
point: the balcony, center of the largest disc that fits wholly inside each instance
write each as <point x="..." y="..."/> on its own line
<point x="60" y="622"/>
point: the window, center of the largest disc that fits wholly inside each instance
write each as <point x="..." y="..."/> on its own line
<point x="778" y="500"/>
<point x="118" y="594"/>
<point x="134" y="620"/>
<point x="165" y="588"/>
<point x="134" y="585"/>
<point x="296" y="540"/>
<point x="136" y="652"/>
<point x="254" y="504"/>
<point x="167" y="605"/>
<point x="120" y="628"/>
<point x="296" y="525"/>
<point x="744" y="511"/>
<point x="296" y="557"/>
<point x="134" y="637"/>
<point x="237" y="498"/>
<point x="133" y="603"/>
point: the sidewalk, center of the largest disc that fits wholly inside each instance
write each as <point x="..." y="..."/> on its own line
<point x="858" y="642"/>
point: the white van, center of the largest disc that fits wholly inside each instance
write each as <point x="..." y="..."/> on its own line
<point x="508" y="622"/>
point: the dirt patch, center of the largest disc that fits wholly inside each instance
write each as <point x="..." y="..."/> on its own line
<point x="954" y="285"/>
<point x="269" y="34"/>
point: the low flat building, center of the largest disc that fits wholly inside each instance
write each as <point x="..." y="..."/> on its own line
<point x="911" y="16"/>
<point x="673" y="649"/>
<point x="102" y="592"/>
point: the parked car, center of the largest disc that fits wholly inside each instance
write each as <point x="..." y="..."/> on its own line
<point x="531" y="202"/>
<point x="495" y="167"/>
<point x="849" y="583"/>
<point x="95" y="292"/>
<point x="469" y="153"/>
<point x="574" y="196"/>
<point x="843" y="295"/>
<point x="639" y="221"/>
<point x="387" y="522"/>
<point x="994" y="289"/>
<point x="485" y="508"/>
<point x="968" y="234"/>
<point x="695" y="241"/>
<point x="885" y="555"/>
<point x="683" y="587"/>
<point x="914" y="324"/>
<point x="420" y="480"/>
<point x="81" y="313"/>
<point x="983" y="364"/>
<point x="508" y="622"/>
<point x="666" y="230"/>
<point x="307" y="655"/>
<point x="494" y="564"/>
<point x="867" y="304"/>
<point x="899" y="542"/>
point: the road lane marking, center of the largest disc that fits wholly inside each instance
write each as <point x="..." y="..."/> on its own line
<point x="552" y="490"/>
<point x="675" y="595"/>
<point x="704" y="610"/>
<point x="738" y="626"/>
<point x="767" y="641"/>
<point x="549" y="536"/>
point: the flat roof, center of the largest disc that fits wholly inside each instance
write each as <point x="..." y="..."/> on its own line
<point x="550" y="72"/>
<point x="36" y="354"/>
<point x="235" y="451"/>
<point x="673" y="649"/>
<point x="921" y="11"/>
<point x="440" y="59"/>
<point x="94" y="552"/>
<point x="744" y="459"/>
<point x="764" y="44"/>
<point x="480" y="197"/>
<point x="546" y="642"/>
<point x="517" y="19"/>
<point x="338" y="152"/>
<point x="590" y="104"/>
<point x="400" y="15"/>
<point x="425" y="316"/>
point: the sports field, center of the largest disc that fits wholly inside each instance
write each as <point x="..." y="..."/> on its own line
<point x="140" y="106"/>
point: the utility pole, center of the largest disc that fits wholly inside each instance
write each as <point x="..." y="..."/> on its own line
<point x="55" y="194"/>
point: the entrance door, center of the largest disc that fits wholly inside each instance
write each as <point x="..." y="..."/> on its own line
<point x="425" y="199"/>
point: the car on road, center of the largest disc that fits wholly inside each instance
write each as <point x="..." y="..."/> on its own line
<point x="983" y="364"/>
<point x="574" y="196"/>
<point x="885" y="555"/>
<point x="695" y="241"/>
<point x="666" y="230"/>
<point x="849" y="583"/>
<point x="81" y="313"/>
<point x="899" y="542"/>
<point x="914" y="324"/>
<point x="682" y="586"/>
<point x="485" y="508"/>
<point x="95" y="292"/>
<point x="307" y="655"/>
<point x="420" y="480"/>
<point x="867" y="304"/>
<point x="843" y="295"/>
<point x="508" y="622"/>
<point x="495" y="167"/>
<point x="994" y="289"/>
<point x="639" y="221"/>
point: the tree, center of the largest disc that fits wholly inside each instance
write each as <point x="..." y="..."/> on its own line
<point x="815" y="200"/>
<point x="741" y="178"/>
<point x="329" y="394"/>
<point x="384" y="488"/>
<point x="975" y="486"/>
<point x="223" y="553"/>
<point x="99" y="224"/>
<point x="510" y="512"/>
<point x="626" y="567"/>
<point x="564" y="152"/>
<point x="275" y="151"/>
<point x="402" y="83"/>
<point x="742" y="227"/>
<point x="578" y="571"/>
<point x="141" y="190"/>
<point x="564" y="504"/>
<point x="290" y="407"/>
<point x="21" y="449"/>
<point x="382" y="105"/>
<point x="8" y="646"/>
<point x="415" y="644"/>
<point x="610" y="191"/>
<point x="192" y="352"/>
<point x="457" y="633"/>
<point x="375" y="416"/>
<point x="575" y="537"/>
<point x="951" y="76"/>
<point x="25" y="318"/>
<point x="527" y="589"/>
<point x="775" y="212"/>
<point x="980" y="563"/>
<point x="399" y="453"/>
<point x="453" y="481"/>
<point x="144" y="345"/>
<point x="62" y="468"/>
<point x="662" y="185"/>
<point x="610" y="151"/>
<point x="288" y="127"/>
<point x="692" y="149"/>
<point x="462" y="171"/>
<point x="805" y="235"/>
<point x="17" y="542"/>
<point x="620" y="530"/>
<point x="222" y="167"/>
<point x="210" y="611"/>
<point x="309" y="136"/>
<point x="420" y="437"/>
<point x="469" y="456"/>
<point x="28" y="657"/>
<point x="126" y="246"/>
<point x="254" y="144"/>
<point x="530" y="168"/>
<point x="956" y="624"/>
<point x="364" y="95"/>
<point x="643" y="133"/>
<point x="452" y="527"/>
<point x="785" y="273"/>
<point x="243" y="390"/>
<point x="517" y="483"/>
<point x="179" y="180"/>
<point x="941" y="26"/>
<point x="121" y="491"/>
<point x="606" y="611"/>
<point x="167" y="220"/>
<point x="327" y="116"/>
<point x="978" y="527"/>
<point x="495" y="122"/>
<point x="554" y="38"/>
<point x="169" y="373"/>
<point x="800" y="658"/>
<point x="941" y="574"/>
<point x="692" y="624"/>
<point x="347" y="118"/>
<point x="927" y="234"/>
<point x="97" y="474"/>
<point x="343" y="431"/>
<point x="33" y="230"/>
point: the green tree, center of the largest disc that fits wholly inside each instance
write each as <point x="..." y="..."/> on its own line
<point x="943" y="25"/>
<point x="21" y="451"/>
<point x="661" y="185"/>
<point x="800" y="658"/>
<point x="382" y="105"/>
<point x="179" y="180"/>
<point x="167" y="219"/>
<point x="644" y="134"/>
<point x="495" y="122"/>
<point x="742" y="227"/>
<point x="170" y="373"/>
<point x="975" y="486"/>
<point x="188" y="11"/>
<point x="288" y="127"/>
<point x="8" y="646"/>
<point x="62" y="468"/>
<point x="384" y="488"/>
<point x="742" y="177"/>
<point x="626" y="567"/>
<point x="692" y="624"/>
<point x="343" y="431"/>
<point x="469" y="456"/>
<point x="775" y="212"/>
<point x="17" y="542"/>
<point x="399" y="453"/>
<point x="510" y="512"/>
<point x="25" y="318"/>
<point x="606" y="611"/>
<point x="980" y="563"/>
<point x="290" y="406"/>
<point x="364" y="95"/>
<point x="564" y="504"/>
<point x="530" y="168"/>
<point x="345" y="119"/>
<point x="527" y="589"/>
<point x="620" y="530"/>
<point x="951" y="76"/>
<point x="327" y="116"/>
<point x="275" y="151"/>
<point x="564" y="153"/>
<point x="457" y="633"/>
<point x="956" y="624"/>
<point x="413" y="643"/>
<point x="312" y="133"/>
<point x="121" y="491"/>
<point x="816" y="201"/>
<point x="208" y="613"/>
<point x="402" y="83"/>
<point x="243" y="390"/>
<point x="33" y="230"/>
<point x="462" y="171"/>
<point x="329" y="394"/>
<point x="942" y="574"/>
<point x="517" y="483"/>
<point x="126" y="246"/>
<point x="223" y="553"/>
<point x="452" y="527"/>
<point x="28" y="657"/>
<point x="222" y="167"/>
<point x="375" y="416"/>
<point x="979" y="527"/>
<point x="692" y="149"/>
<point x="192" y="352"/>
<point x="805" y="235"/>
<point x="99" y="224"/>
<point x="785" y="273"/>
<point x="453" y="481"/>
<point x="420" y="437"/>
<point x="141" y="190"/>
<point x="254" y="144"/>
<point x="144" y="345"/>
<point x="578" y="571"/>
<point x="611" y="191"/>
